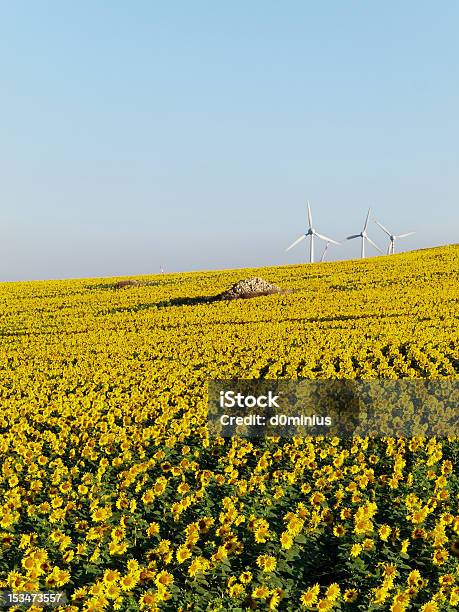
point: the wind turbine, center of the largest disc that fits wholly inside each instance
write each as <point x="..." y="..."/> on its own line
<point x="364" y="236"/>
<point x="325" y="252"/>
<point x="392" y="237"/>
<point x="311" y="233"/>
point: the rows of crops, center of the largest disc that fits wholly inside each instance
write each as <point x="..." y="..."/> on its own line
<point x="112" y="491"/>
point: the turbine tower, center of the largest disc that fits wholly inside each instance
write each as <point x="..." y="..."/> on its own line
<point x="311" y="233"/>
<point x="392" y="237"/>
<point x="364" y="236"/>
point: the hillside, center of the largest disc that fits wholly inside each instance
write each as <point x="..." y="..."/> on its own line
<point x="107" y="464"/>
<point x="358" y="308"/>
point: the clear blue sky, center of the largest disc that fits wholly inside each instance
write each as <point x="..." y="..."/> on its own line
<point x="189" y="135"/>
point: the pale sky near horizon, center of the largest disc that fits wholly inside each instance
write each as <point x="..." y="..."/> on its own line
<point x="187" y="136"/>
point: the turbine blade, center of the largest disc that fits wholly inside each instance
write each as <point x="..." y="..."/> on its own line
<point x="296" y="242"/>
<point x="326" y="238"/>
<point x="353" y="236"/>
<point x="405" y="235"/>
<point x="309" y="215"/>
<point x="366" y="220"/>
<point x="375" y="245"/>
<point x="382" y="227"/>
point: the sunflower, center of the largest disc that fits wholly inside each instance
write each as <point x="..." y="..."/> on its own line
<point x="111" y="576"/>
<point x="245" y="577"/>
<point x="128" y="582"/>
<point x="267" y="563"/>
<point x="260" y="592"/>
<point x="350" y="595"/>
<point x="309" y="597"/>
<point x="164" y="578"/>
<point x="112" y="591"/>
<point x="183" y="553"/>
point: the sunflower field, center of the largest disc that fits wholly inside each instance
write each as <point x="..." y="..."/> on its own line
<point x="112" y="491"/>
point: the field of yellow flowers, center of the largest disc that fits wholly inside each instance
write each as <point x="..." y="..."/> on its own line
<point x="112" y="491"/>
